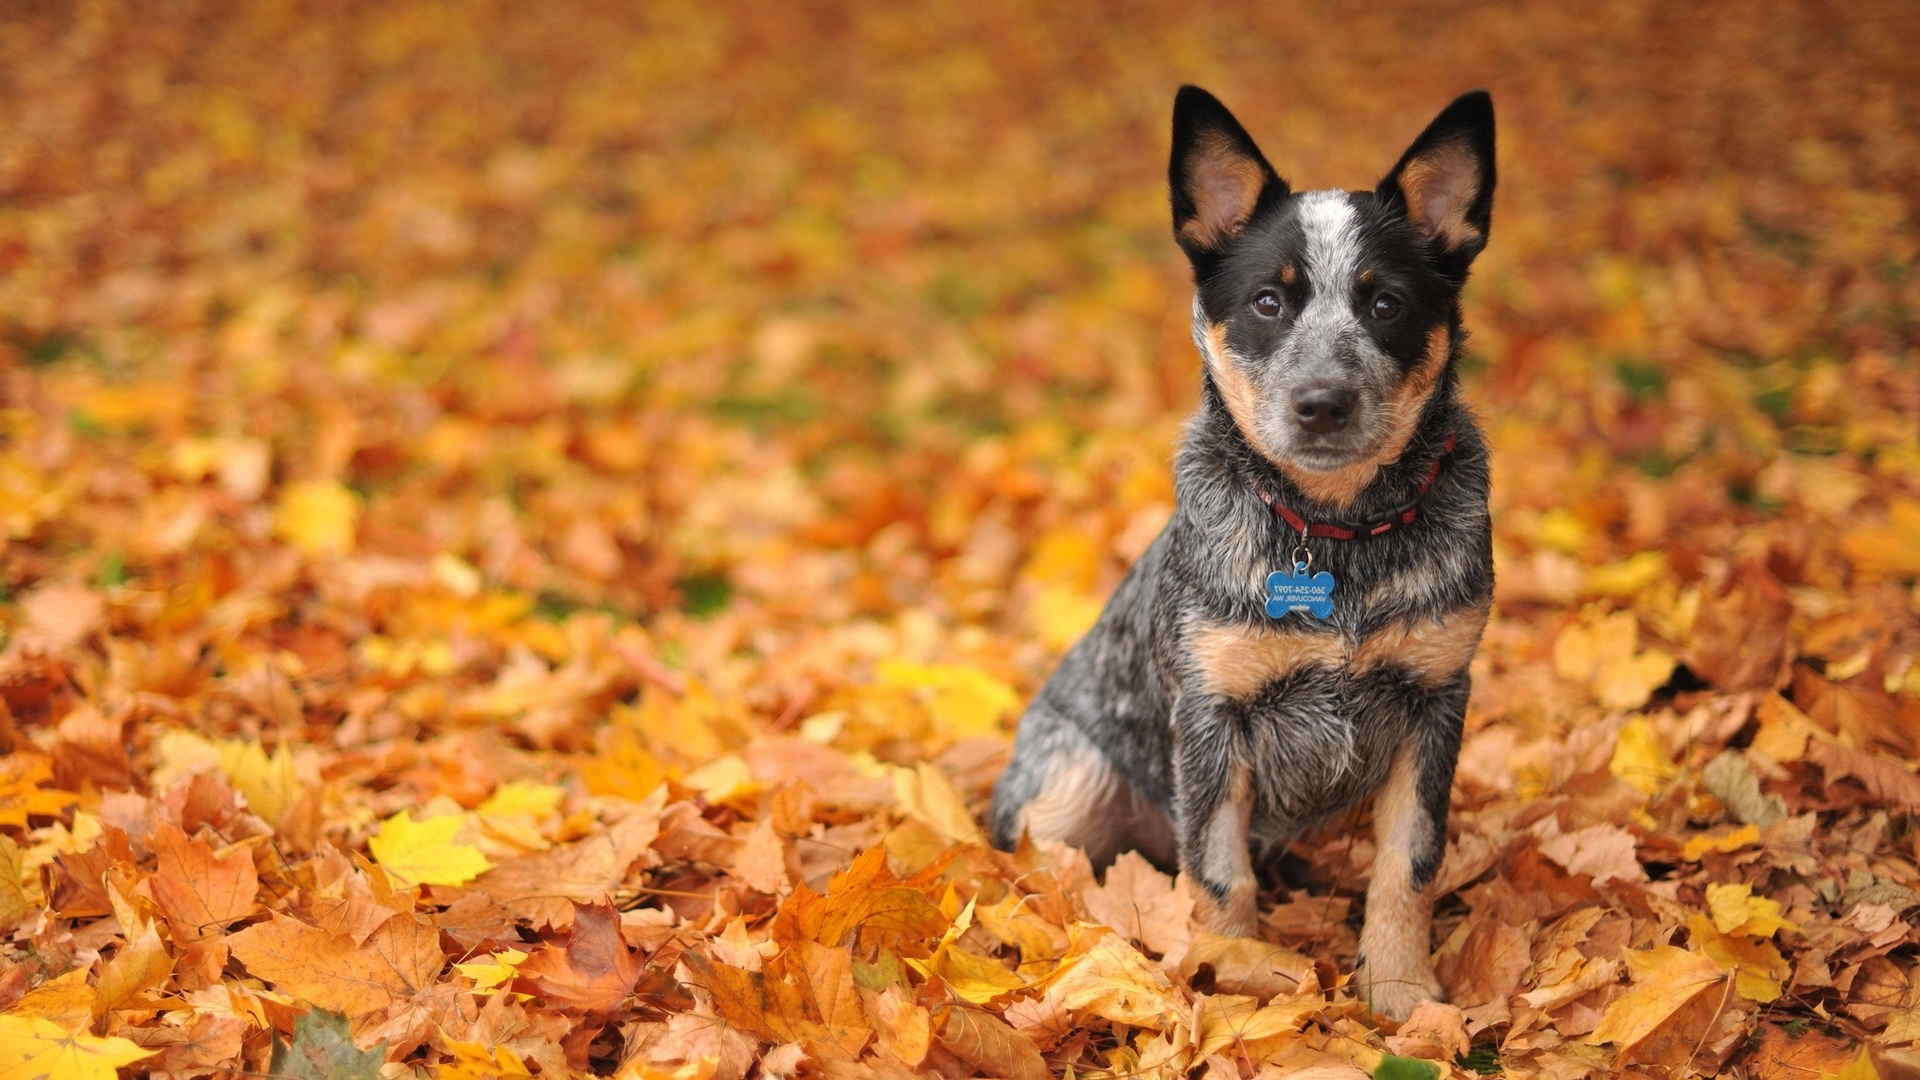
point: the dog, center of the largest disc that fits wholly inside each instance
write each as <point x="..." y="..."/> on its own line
<point x="1298" y="636"/>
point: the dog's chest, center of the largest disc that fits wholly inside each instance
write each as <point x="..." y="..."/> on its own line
<point x="1237" y="661"/>
<point x="1388" y="622"/>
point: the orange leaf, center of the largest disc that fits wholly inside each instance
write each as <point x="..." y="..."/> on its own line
<point x="593" y="972"/>
<point x="1665" y="978"/>
<point x="831" y="996"/>
<point x="1143" y="904"/>
<point x="328" y="970"/>
<point x="200" y="891"/>
<point x="902" y="1028"/>
<point x="21" y="795"/>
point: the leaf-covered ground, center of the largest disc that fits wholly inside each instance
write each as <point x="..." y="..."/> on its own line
<point x="528" y="527"/>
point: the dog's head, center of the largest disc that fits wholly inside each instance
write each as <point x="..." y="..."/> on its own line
<point x="1326" y="317"/>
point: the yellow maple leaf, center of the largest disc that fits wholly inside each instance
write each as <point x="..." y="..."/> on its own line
<point x="723" y="780"/>
<point x="318" y="516"/>
<point x="423" y="852"/>
<point x="926" y="793"/>
<point x="1737" y="911"/>
<point x="30" y="495"/>
<point x="1757" y="966"/>
<point x="965" y="699"/>
<point x="971" y="976"/>
<point x="1665" y="978"/>
<point x="1639" y="760"/>
<point x="1563" y="530"/>
<point x="267" y="780"/>
<point x="523" y="797"/>
<point x="1731" y="840"/>
<point x="1107" y="977"/>
<point x="1602" y="651"/>
<point x="1628" y="577"/>
<point x="1014" y="921"/>
<point x="22" y="796"/>
<point x="31" y="1046"/>
<point x="489" y="974"/>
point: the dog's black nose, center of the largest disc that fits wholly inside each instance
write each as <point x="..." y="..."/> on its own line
<point x="1324" y="410"/>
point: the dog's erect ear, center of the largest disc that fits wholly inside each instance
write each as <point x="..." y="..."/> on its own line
<point x="1217" y="175"/>
<point x="1444" y="182"/>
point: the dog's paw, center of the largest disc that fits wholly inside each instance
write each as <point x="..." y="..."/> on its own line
<point x="1230" y="912"/>
<point x="1234" y="915"/>
<point x="1396" y="994"/>
<point x="1228" y="921"/>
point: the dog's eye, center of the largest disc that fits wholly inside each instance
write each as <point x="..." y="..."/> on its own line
<point x="1266" y="303"/>
<point x="1386" y="306"/>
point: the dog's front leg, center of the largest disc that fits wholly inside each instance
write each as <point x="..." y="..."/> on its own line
<point x="1213" y="808"/>
<point x="1410" y="835"/>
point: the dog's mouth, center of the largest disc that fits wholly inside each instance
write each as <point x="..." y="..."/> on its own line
<point x="1325" y="453"/>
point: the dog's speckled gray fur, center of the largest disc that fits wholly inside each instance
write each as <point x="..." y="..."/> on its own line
<point x="1321" y="738"/>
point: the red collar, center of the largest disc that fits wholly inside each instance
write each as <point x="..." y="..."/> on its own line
<point x="1351" y="530"/>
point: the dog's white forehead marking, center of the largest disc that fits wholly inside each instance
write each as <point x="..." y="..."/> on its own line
<point x="1333" y="243"/>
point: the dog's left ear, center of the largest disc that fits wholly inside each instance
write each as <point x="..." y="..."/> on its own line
<point x="1444" y="182"/>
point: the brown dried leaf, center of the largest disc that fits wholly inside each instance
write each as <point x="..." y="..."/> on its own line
<point x="985" y="1042"/>
<point x="1237" y="965"/>
<point x="1143" y="904"/>
<point x="141" y="965"/>
<point x="593" y="972"/>
<point x="547" y="887"/>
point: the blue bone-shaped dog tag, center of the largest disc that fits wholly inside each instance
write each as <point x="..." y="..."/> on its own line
<point x="1298" y="591"/>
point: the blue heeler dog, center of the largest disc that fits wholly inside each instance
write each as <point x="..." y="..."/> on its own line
<point x="1297" y="638"/>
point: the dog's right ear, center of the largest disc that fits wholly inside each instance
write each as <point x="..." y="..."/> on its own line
<point x="1217" y="176"/>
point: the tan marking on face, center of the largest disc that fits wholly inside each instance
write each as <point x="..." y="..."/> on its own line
<point x="1433" y="650"/>
<point x="1238" y="662"/>
<point x="1366" y="276"/>
<point x="1341" y="486"/>
<point x="1224" y="184"/>
<point x="1396" y="938"/>
<point x="1236" y="389"/>
<point x="1439" y="185"/>
<point x="1289" y="274"/>
<point x="1228" y="857"/>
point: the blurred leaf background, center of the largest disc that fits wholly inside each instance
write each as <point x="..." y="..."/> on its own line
<point x="454" y="393"/>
